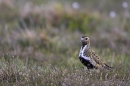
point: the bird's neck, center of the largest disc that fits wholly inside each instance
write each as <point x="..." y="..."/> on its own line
<point x="83" y="49"/>
<point x="88" y="45"/>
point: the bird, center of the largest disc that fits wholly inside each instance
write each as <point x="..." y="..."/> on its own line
<point x="89" y="58"/>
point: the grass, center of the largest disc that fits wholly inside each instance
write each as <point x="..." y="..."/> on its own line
<point x="39" y="47"/>
<point x="14" y="71"/>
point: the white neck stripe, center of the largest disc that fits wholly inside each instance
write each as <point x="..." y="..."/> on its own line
<point x="81" y="53"/>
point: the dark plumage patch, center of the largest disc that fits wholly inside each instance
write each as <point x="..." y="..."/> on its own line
<point x="86" y="63"/>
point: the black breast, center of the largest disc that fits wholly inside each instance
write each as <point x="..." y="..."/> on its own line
<point x="86" y="63"/>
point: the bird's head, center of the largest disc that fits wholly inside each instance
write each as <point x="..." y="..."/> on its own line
<point x="85" y="40"/>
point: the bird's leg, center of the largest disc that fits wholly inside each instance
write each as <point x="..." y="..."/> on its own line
<point x="88" y="69"/>
<point x="88" y="72"/>
<point x="97" y="71"/>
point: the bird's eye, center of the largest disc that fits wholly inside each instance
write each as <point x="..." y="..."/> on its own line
<point x="86" y="38"/>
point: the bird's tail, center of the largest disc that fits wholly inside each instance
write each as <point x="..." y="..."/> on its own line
<point x="107" y="66"/>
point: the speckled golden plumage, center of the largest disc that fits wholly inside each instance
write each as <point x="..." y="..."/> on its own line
<point x="88" y="57"/>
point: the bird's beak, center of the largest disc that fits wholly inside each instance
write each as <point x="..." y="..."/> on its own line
<point x="81" y="40"/>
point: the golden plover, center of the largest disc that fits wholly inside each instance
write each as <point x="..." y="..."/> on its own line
<point x="88" y="57"/>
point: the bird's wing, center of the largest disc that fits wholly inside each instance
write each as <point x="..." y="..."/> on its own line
<point x="89" y="55"/>
<point x="95" y="60"/>
<point x="95" y="57"/>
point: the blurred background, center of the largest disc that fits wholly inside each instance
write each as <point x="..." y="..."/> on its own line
<point x="50" y="30"/>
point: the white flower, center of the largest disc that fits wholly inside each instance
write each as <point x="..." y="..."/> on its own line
<point x="112" y="14"/>
<point x="75" y="5"/>
<point x="125" y="4"/>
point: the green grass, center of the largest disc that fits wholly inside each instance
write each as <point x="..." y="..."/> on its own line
<point x="41" y="50"/>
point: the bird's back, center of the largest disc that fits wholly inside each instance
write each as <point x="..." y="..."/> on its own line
<point x="95" y="59"/>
